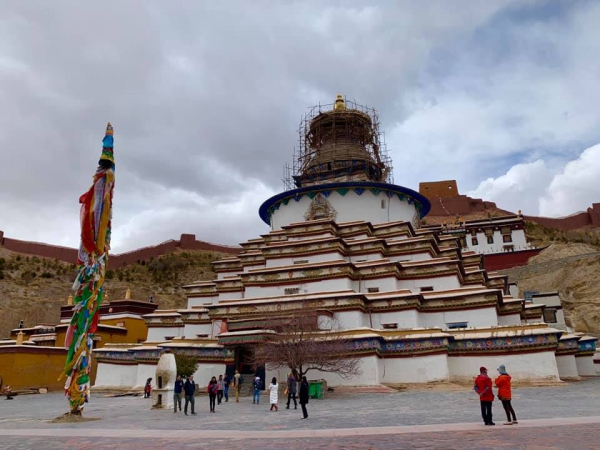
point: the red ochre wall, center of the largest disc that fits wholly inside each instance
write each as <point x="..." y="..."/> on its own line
<point x="589" y="218"/>
<point x="506" y="260"/>
<point x="69" y="255"/>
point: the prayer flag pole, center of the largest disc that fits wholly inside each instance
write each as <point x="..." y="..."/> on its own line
<point x="92" y="259"/>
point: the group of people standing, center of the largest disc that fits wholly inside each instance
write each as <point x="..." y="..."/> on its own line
<point x="218" y="389"/>
<point x="291" y="391"/>
<point x="483" y="387"/>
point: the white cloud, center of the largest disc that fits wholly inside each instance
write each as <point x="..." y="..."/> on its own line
<point x="519" y="189"/>
<point x="576" y="187"/>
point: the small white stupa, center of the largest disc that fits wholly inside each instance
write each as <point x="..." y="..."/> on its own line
<point x="166" y="373"/>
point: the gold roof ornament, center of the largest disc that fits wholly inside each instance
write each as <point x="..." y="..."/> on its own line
<point x="127" y="294"/>
<point x="340" y="103"/>
<point x="70" y="300"/>
<point x="20" y="338"/>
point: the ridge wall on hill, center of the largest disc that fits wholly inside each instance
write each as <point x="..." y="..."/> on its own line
<point x="69" y="255"/>
<point x="591" y="217"/>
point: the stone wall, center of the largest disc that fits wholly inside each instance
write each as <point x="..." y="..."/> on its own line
<point x="591" y="217"/>
<point x="69" y="255"/>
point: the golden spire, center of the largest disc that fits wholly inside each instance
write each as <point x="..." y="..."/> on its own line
<point x="340" y="104"/>
<point x="70" y="300"/>
<point x="19" y="338"/>
<point x="127" y="294"/>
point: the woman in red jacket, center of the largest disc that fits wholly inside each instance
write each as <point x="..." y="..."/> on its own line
<point x="505" y="395"/>
<point x="483" y="386"/>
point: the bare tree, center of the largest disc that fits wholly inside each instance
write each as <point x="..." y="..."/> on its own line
<point x="305" y="340"/>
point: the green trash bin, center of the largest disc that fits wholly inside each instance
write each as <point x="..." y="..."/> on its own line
<point x="315" y="389"/>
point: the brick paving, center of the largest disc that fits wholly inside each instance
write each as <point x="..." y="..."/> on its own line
<point x="571" y="437"/>
<point x="419" y="419"/>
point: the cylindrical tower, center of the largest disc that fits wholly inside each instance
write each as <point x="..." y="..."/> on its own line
<point x="341" y="144"/>
<point x="342" y="173"/>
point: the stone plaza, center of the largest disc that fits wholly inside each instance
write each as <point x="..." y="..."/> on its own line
<point x="443" y="416"/>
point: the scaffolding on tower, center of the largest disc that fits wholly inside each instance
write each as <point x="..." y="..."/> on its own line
<point x="339" y="142"/>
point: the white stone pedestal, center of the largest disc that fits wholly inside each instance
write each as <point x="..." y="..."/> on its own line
<point x="166" y="373"/>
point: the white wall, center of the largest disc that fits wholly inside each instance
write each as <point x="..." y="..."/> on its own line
<point x="352" y="319"/>
<point x="482" y="317"/>
<point x="201" y="301"/>
<point x="334" y="284"/>
<point x="369" y="374"/>
<point x="350" y="207"/>
<point x="567" y="367"/>
<point x="157" y="334"/>
<point x="519" y="242"/>
<point x="521" y="367"/>
<point x="422" y="256"/>
<point x="321" y="257"/>
<point x="385" y="284"/>
<point x="116" y="375"/>
<point x="190" y="330"/>
<point x="585" y="366"/>
<point x="510" y="319"/>
<point x="405" y="319"/>
<point x="145" y="371"/>
<point x="438" y="283"/>
<point x="419" y="369"/>
<point x="205" y="372"/>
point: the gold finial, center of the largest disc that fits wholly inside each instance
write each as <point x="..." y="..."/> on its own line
<point x="20" y="338"/>
<point x="340" y="104"/>
<point x="70" y="300"/>
<point x="109" y="129"/>
<point x="127" y="294"/>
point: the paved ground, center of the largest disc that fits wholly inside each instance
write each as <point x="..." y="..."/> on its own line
<point x="420" y="419"/>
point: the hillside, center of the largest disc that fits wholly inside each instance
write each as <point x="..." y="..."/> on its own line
<point x="572" y="269"/>
<point x="32" y="289"/>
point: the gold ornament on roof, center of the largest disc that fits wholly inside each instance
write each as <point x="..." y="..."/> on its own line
<point x="340" y="104"/>
<point x="127" y="294"/>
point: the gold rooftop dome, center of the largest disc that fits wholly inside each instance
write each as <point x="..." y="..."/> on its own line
<point x="340" y="104"/>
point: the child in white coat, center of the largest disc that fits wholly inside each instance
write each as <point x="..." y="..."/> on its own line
<point x="273" y="394"/>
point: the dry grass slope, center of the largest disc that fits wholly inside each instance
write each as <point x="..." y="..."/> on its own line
<point x="33" y="289"/>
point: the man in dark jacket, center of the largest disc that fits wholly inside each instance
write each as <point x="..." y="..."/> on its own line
<point x="190" y="389"/>
<point x="483" y="386"/>
<point x="292" y="390"/>
<point x="178" y="391"/>
<point x="304" y="397"/>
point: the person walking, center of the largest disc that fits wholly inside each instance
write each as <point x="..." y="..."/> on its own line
<point x="256" y="387"/>
<point x="303" y="397"/>
<point x="274" y="394"/>
<point x="177" y="393"/>
<point x="190" y="389"/>
<point x="221" y="386"/>
<point x="213" y="388"/>
<point x="292" y="389"/>
<point x="503" y="384"/>
<point x="483" y="386"/>
<point x="237" y="385"/>
<point x="148" y="388"/>
<point x="226" y="387"/>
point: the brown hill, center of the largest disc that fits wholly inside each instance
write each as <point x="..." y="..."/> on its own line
<point x="32" y="289"/>
<point x="572" y="269"/>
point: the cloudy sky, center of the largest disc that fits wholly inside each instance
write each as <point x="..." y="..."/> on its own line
<point x="205" y="99"/>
